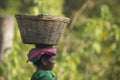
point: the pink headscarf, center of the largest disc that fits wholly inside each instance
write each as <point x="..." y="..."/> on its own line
<point x="37" y="52"/>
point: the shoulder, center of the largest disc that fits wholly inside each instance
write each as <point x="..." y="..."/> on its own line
<point x="43" y="75"/>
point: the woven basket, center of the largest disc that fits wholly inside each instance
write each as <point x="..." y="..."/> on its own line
<point x="41" y="29"/>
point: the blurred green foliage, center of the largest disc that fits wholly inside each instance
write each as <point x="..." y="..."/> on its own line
<point x="88" y="51"/>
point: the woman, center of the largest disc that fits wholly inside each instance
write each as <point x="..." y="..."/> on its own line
<point x="43" y="58"/>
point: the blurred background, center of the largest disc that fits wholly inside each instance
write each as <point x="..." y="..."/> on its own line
<point x="89" y="48"/>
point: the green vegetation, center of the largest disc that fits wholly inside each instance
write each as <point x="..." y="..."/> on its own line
<point x="89" y="50"/>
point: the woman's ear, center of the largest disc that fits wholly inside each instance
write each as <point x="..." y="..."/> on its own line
<point x="44" y="61"/>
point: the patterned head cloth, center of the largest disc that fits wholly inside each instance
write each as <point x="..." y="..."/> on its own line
<point x="35" y="53"/>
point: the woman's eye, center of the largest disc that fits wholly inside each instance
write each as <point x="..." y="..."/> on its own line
<point x="53" y="58"/>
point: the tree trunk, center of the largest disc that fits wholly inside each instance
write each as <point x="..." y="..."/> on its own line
<point x="6" y="39"/>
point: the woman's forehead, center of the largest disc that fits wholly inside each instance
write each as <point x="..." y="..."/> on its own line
<point x="53" y="56"/>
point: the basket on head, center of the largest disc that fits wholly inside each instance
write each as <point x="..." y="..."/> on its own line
<point x="41" y="29"/>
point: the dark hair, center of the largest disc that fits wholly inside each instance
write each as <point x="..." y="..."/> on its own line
<point x="39" y="62"/>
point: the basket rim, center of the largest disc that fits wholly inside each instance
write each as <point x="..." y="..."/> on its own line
<point x="43" y="17"/>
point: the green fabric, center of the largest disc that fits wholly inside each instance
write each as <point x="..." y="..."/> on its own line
<point x="43" y="75"/>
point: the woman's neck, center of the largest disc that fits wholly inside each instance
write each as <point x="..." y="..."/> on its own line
<point x="41" y="68"/>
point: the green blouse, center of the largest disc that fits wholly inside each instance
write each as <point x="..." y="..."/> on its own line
<point x="43" y="75"/>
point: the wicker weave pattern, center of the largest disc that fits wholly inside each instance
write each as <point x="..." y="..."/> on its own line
<point x="44" y="30"/>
